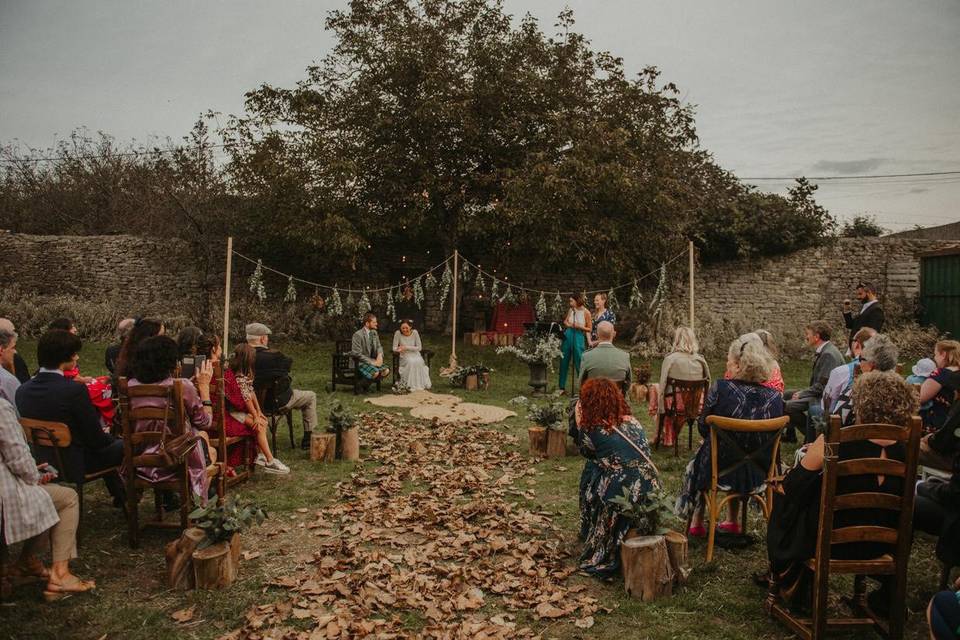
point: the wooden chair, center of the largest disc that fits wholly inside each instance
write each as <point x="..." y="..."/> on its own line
<point x="823" y="566"/>
<point x="426" y="353"/>
<point x="267" y="397"/>
<point x="52" y="443"/>
<point x="344" y="368"/>
<point x="765" y="456"/>
<point x="134" y="442"/>
<point x="688" y="393"/>
<point x="219" y="439"/>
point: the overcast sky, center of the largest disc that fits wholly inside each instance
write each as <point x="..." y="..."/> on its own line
<point x="814" y="88"/>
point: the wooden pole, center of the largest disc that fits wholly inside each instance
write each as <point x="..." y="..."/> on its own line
<point x="691" y="283"/>
<point x="453" y="307"/>
<point x="226" y="298"/>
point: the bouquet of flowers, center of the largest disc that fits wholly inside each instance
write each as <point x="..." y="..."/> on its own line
<point x="534" y="348"/>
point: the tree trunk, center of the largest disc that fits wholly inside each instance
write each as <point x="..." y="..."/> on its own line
<point x="647" y="574"/>
<point x="179" y="555"/>
<point x="677" y="550"/>
<point x="323" y="447"/>
<point x="556" y="443"/>
<point x="214" y="567"/>
<point x="538" y="441"/>
<point x="470" y="382"/>
<point x="350" y="444"/>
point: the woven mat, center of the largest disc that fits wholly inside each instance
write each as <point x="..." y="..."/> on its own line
<point x="444" y="407"/>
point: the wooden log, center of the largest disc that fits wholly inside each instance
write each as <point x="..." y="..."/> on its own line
<point x="647" y="574"/>
<point x="214" y="567"/>
<point x="538" y="441"/>
<point x="179" y="556"/>
<point x="323" y="447"/>
<point x="485" y="381"/>
<point x="556" y="443"/>
<point x="677" y="551"/>
<point x="350" y="444"/>
<point x="471" y="382"/>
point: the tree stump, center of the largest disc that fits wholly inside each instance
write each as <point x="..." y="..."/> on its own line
<point x="215" y="567"/>
<point x="350" y="444"/>
<point x="179" y="555"/>
<point x="647" y="574"/>
<point x="323" y="447"/>
<point x="556" y="443"/>
<point x="470" y="382"/>
<point x="538" y="441"/>
<point x="677" y="550"/>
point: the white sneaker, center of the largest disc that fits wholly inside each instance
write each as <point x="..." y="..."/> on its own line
<point x="275" y="466"/>
<point x="261" y="460"/>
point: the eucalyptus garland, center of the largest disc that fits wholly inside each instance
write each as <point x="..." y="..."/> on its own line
<point x="465" y="273"/>
<point x="256" y="282"/>
<point x="375" y="300"/>
<point x="430" y="283"/>
<point x="612" y="303"/>
<point x="399" y="294"/>
<point x="541" y="308"/>
<point x="418" y="292"/>
<point x="636" y="298"/>
<point x="363" y="305"/>
<point x="446" y="281"/>
<point x="349" y="303"/>
<point x="494" y="294"/>
<point x="659" y="297"/>
<point x="508" y="296"/>
<point x="334" y="304"/>
<point x="558" y="305"/>
<point x="479" y="284"/>
<point x="291" y="291"/>
<point x="391" y="309"/>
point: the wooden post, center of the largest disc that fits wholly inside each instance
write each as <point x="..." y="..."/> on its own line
<point x="453" y="308"/>
<point x="226" y="298"/>
<point x="215" y="567"/>
<point x="323" y="447"/>
<point x="647" y="574"/>
<point x="350" y="444"/>
<point x="677" y="550"/>
<point x="556" y="443"/>
<point x="538" y="441"/>
<point x="179" y="556"/>
<point x="691" y="284"/>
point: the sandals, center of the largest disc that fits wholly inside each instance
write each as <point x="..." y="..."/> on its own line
<point x="55" y="592"/>
<point x="31" y="568"/>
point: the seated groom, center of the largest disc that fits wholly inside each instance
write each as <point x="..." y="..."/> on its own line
<point x="798" y="403"/>
<point x="366" y="350"/>
<point x="606" y="360"/>
<point x="50" y="396"/>
<point x="271" y="365"/>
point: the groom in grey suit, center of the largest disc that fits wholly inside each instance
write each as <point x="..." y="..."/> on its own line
<point x="799" y="403"/>
<point x="366" y="350"/>
<point x="606" y="360"/>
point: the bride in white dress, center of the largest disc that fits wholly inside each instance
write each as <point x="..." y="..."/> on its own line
<point x="413" y="370"/>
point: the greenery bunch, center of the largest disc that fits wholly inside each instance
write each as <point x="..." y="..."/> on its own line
<point x="221" y="521"/>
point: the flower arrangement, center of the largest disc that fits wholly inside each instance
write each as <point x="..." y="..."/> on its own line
<point x="458" y="375"/>
<point x="341" y="418"/>
<point x="221" y="521"/>
<point x="534" y="348"/>
<point x="400" y="388"/>
<point x="649" y="516"/>
<point x="552" y="415"/>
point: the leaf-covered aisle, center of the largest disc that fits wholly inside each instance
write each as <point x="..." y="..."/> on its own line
<point x="433" y="542"/>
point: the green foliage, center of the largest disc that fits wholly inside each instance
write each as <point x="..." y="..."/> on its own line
<point x="534" y="348"/>
<point x="552" y="415"/>
<point x="458" y="376"/>
<point x="221" y="521"/>
<point x="651" y="515"/>
<point x="341" y="418"/>
<point x="862" y="227"/>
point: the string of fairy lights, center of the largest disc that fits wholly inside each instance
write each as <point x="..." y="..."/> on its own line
<point x="335" y="300"/>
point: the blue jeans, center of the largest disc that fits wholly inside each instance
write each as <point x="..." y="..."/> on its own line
<point x="574" y="344"/>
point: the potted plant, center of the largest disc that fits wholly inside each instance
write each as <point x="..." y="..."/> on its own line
<point x="213" y="544"/>
<point x="538" y="350"/>
<point x="343" y="427"/>
<point x="471" y="377"/>
<point x="548" y="438"/>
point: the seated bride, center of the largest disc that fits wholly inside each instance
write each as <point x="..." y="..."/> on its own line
<point x="413" y="370"/>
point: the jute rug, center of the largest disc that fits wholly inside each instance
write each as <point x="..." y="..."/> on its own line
<point x="444" y="407"/>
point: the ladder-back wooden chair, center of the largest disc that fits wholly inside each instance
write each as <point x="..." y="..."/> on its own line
<point x="344" y="369"/>
<point x="764" y="455"/>
<point x="823" y="565"/>
<point x="686" y="399"/>
<point x="135" y="442"/>
<point x="52" y="443"/>
<point x="220" y="441"/>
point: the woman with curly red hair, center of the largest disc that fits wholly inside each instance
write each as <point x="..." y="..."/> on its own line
<point x="618" y="463"/>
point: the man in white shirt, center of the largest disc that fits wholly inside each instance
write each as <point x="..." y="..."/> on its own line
<point x="841" y="378"/>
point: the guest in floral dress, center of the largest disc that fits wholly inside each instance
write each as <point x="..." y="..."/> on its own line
<point x="613" y="441"/>
<point x="743" y="397"/>
<point x="601" y="314"/>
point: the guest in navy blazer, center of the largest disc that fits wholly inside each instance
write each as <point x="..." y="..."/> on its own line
<point x="52" y="397"/>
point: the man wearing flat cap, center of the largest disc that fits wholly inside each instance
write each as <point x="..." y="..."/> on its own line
<point x="272" y="366"/>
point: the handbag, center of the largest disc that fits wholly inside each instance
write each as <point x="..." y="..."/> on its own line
<point x="174" y="451"/>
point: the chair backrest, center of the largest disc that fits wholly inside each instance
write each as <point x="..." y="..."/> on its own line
<point x="52" y="443"/>
<point x="219" y="427"/>
<point x="172" y="414"/>
<point x="267" y="396"/>
<point x="690" y="395"/>
<point x="834" y="469"/>
<point x="763" y="454"/>
<point x="343" y="346"/>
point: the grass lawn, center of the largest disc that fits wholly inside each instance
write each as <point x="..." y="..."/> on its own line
<point x="132" y="601"/>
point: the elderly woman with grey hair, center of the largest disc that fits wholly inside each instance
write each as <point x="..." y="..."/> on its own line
<point x="878" y="354"/>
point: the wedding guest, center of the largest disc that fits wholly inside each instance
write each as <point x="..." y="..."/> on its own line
<point x="684" y="362"/>
<point x="871" y="314"/>
<point x="936" y="511"/>
<point x="35" y="511"/>
<point x="414" y="372"/>
<point x="367" y="351"/>
<point x="942" y="385"/>
<point x="20" y="368"/>
<point x="878" y="397"/>
<point x="272" y="365"/>
<point x="600" y="314"/>
<point x="50" y="396"/>
<point x="187" y="340"/>
<point x="605" y="360"/>
<point x="615" y="442"/>
<point x="578" y="325"/>
<point x="243" y="415"/>
<point x="210" y="347"/>
<point x="142" y="329"/>
<point x="776" y="376"/>
<point x="841" y="378"/>
<point x="826" y="358"/>
<point x="743" y="397"/>
<point x="68" y="325"/>
<point x="878" y="354"/>
<point x="8" y="352"/>
<point x="943" y="614"/>
<point x="112" y="353"/>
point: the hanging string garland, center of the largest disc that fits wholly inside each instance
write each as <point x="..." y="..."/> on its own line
<point x="335" y="305"/>
<point x="363" y="305"/>
<point x="479" y="284"/>
<point x="636" y="298"/>
<point x="375" y="301"/>
<point x="508" y="296"/>
<point x="256" y="282"/>
<point x="430" y="283"/>
<point x="400" y="290"/>
<point x="317" y="301"/>
<point x="541" y="308"/>
<point x="465" y="273"/>
<point x="418" y="293"/>
<point x="558" y="305"/>
<point x="350" y="302"/>
<point x="391" y="310"/>
<point x="291" y="295"/>
<point x="493" y="292"/>
<point x="612" y="303"/>
<point x="446" y="281"/>
<point x="660" y="295"/>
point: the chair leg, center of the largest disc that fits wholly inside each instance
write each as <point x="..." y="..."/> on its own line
<point x="690" y="435"/>
<point x="133" y="517"/>
<point x="289" y="416"/>
<point x="656" y="444"/>
<point x="79" y="504"/>
<point x="744" y="503"/>
<point x="676" y="439"/>
<point x="273" y="433"/>
<point x="711" y="522"/>
<point x="818" y="617"/>
<point x="184" y="501"/>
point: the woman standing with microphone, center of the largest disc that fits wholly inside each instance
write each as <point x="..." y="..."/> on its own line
<point x="578" y="324"/>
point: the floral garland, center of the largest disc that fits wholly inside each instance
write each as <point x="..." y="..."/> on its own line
<point x="508" y="296"/>
<point x="465" y="273"/>
<point x="636" y="298"/>
<point x="430" y="283"/>
<point x="363" y="306"/>
<point x="335" y="306"/>
<point x="612" y="303"/>
<point x="558" y="305"/>
<point x="479" y="284"/>
<point x="494" y="294"/>
<point x="660" y="296"/>
<point x="291" y="291"/>
<point x="541" y="308"/>
<point x="418" y="292"/>
<point x="256" y="282"/>
<point x="391" y="309"/>
<point x="446" y="281"/>
<point x="349" y="303"/>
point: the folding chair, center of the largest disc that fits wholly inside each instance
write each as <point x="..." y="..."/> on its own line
<point x="134" y="442"/>
<point x="764" y="455"/>
<point x="823" y="565"/>
<point x="686" y="398"/>
<point x="267" y="397"/>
